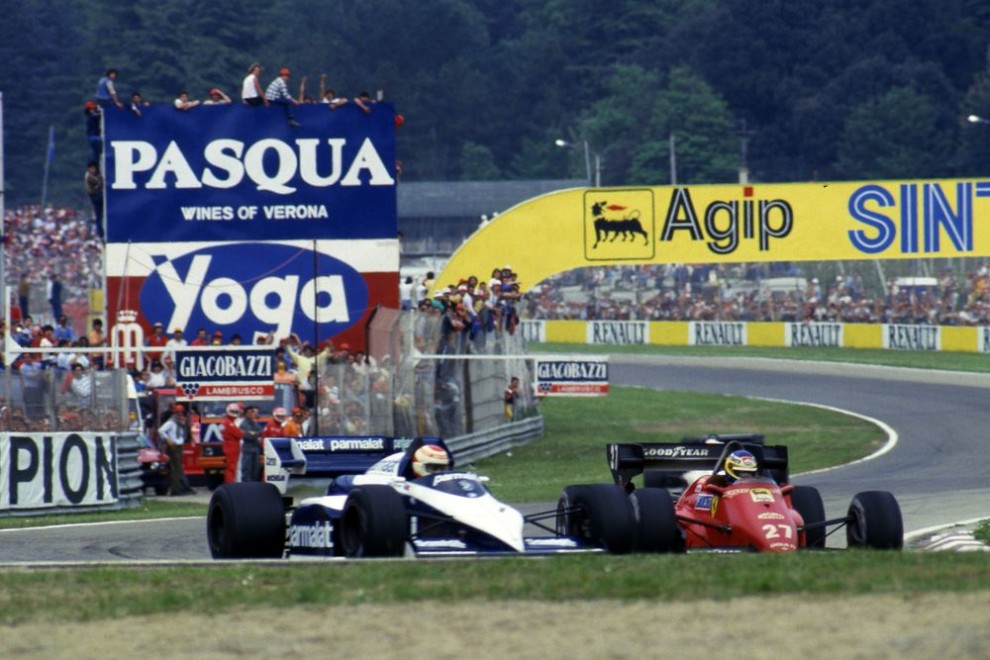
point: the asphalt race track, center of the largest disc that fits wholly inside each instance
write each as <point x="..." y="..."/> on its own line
<point x="938" y="469"/>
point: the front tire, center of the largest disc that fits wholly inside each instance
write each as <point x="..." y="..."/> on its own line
<point x="598" y="514"/>
<point x="807" y="501"/>
<point x="374" y="523"/>
<point x="875" y="521"/>
<point x="656" y="522"/>
<point x="246" y="520"/>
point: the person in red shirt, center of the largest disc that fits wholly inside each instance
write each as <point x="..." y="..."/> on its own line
<point x="232" y="434"/>
<point x="273" y="429"/>
<point x="157" y="339"/>
<point x="201" y="338"/>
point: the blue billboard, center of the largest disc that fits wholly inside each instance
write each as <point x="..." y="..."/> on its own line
<point x="236" y="172"/>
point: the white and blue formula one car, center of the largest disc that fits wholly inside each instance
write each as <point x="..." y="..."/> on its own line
<point x="392" y="497"/>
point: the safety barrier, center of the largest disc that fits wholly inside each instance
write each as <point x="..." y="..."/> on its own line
<point x="475" y="446"/>
<point x="888" y="336"/>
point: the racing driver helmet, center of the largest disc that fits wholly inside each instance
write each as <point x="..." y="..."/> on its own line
<point x="739" y="464"/>
<point x="234" y="409"/>
<point x="429" y="459"/>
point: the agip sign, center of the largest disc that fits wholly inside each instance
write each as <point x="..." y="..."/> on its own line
<point x="732" y="224"/>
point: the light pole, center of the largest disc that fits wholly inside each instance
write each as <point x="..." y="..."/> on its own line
<point x="976" y="119"/>
<point x="564" y="144"/>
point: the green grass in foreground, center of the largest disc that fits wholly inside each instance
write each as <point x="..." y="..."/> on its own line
<point x="577" y="430"/>
<point x="982" y="532"/>
<point x="105" y="593"/>
<point x="946" y="360"/>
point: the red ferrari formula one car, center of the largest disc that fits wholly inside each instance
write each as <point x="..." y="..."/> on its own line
<point x="733" y="495"/>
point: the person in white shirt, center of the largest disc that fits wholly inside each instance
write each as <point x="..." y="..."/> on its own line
<point x="173" y="433"/>
<point x="251" y="91"/>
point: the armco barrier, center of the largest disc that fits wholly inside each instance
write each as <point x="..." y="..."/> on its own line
<point x="475" y="446"/>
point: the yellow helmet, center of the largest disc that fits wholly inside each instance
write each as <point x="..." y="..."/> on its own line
<point x="739" y="464"/>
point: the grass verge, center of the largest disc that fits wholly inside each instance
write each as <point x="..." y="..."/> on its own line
<point x="108" y="593"/>
<point x="577" y="430"/>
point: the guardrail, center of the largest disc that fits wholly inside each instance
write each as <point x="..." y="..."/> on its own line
<point x="475" y="446"/>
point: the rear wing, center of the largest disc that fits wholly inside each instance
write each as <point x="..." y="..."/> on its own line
<point x="331" y="456"/>
<point x="692" y="454"/>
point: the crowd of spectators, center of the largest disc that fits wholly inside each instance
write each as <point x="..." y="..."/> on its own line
<point x="680" y="292"/>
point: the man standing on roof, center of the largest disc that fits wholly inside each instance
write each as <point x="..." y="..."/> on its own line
<point x="232" y="435"/>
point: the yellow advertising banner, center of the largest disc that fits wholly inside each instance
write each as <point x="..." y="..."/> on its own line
<point x="850" y="220"/>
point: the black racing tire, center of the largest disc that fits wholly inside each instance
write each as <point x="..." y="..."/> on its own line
<point x="598" y="514"/>
<point x="875" y="521"/>
<point x="807" y="501"/>
<point x="656" y="523"/>
<point x="375" y="523"/>
<point x="246" y="521"/>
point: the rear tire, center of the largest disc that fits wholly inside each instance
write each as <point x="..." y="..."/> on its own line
<point x="875" y="521"/>
<point x="656" y="523"/>
<point x="598" y="514"/>
<point x="807" y="501"/>
<point x="246" y="520"/>
<point x="374" y="523"/>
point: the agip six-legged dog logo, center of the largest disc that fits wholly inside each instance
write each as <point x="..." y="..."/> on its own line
<point x="619" y="224"/>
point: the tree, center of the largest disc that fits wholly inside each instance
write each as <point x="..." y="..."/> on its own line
<point x="703" y="131"/>
<point x="893" y="136"/>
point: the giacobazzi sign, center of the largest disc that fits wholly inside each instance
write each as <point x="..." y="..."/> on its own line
<point x="572" y="375"/>
<point x="222" y="375"/>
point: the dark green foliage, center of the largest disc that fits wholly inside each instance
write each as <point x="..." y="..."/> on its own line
<point x="833" y="90"/>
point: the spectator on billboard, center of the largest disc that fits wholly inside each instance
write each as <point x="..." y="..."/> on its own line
<point x="217" y="339"/>
<point x="137" y="103"/>
<point x="329" y="97"/>
<point x="278" y="94"/>
<point x="217" y="97"/>
<point x="251" y="91"/>
<point x="106" y="93"/>
<point x="364" y="101"/>
<point x="157" y="377"/>
<point x="94" y="129"/>
<point x="183" y="103"/>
